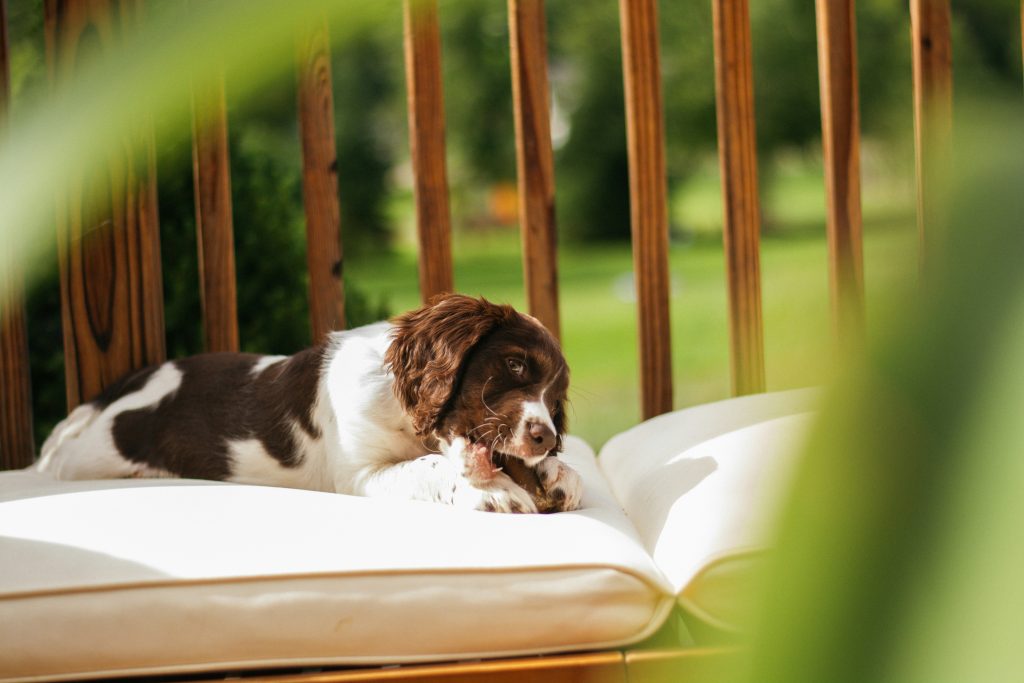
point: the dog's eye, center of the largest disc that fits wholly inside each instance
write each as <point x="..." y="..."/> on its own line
<point x="516" y="367"/>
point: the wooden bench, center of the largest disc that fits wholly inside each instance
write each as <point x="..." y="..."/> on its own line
<point x="113" y="319"/>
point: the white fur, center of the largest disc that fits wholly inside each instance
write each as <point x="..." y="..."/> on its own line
<point x="251" y="464"/>
<point x="82" y="446"/>
<point x="264" y="363"/>
<point x="555" y="475"/>
<point x="534" y="411"/>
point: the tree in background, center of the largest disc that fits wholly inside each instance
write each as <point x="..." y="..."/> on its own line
<point x="478" y="92"/>
<point x="586" y="75"/>
<point x="592" y="165"/>
<point x="369" y="128"/>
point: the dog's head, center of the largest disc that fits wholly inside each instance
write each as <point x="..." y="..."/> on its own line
<point x="467" y="367"/>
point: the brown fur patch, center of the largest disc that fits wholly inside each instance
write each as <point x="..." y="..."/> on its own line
<point x="219" y="400"/>
<point x="453" y="363"/>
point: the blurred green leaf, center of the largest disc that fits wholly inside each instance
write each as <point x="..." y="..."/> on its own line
<point x="900" y="557"/>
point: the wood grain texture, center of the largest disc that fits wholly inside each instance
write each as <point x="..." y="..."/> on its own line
<point x="320" y="182"/>
<point x="107" y="232"/>
<point x="5" y="65"/>
<point x="425" y="101"/>
<point x="840" y="125"/>
<point x="599" y="667"/>
<point x="645" y="137"/>
<point x="933" y="111"/>
<point x="17" y="446"/>
<point x="691" y="665"/>
<point x="534" y="161"/>
<point x="737" y="151"/>
<point x="211" y="173"/>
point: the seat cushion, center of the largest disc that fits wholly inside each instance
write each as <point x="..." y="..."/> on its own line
<point x="108" y="578"/>
<point x="702" y="487"/>
<point x="103" y="578"/>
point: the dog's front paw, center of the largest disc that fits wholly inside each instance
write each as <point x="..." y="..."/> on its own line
<point x="500" y="494"/>
<point x="472" y="459"/>
<point x="562" y="485"/>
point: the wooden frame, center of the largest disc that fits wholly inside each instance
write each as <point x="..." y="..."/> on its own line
<point x="107" y="233"/>
<point x="840" y="126"/>
<point x="427" y="145"/>
<point x="320" y="182"/>
<point x="215" y="236"/>
<point x="602" y="667"/>
<point x="931" y="38"/>
<point x="17" y="445"/>
<point x="534" y="160"/>
<point x="737" y="153"/>
<point x="645" y="135"/>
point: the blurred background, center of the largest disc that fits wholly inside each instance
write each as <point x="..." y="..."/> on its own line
<point x="588" y="129"/>
<point x="899" y="553"/>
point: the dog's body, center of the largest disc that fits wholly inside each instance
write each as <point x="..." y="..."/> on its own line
<point x="413" y="409"/>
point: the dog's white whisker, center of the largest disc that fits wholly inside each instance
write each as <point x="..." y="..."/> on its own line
<point x="483" y="400"/>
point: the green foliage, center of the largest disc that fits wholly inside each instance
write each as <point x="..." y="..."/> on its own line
<point x="899" y="558"/>
<point x="369" y="128"/>
<point x="591" y="170"/>
<point x="785" y="73"/>
<point x="478" y="91"/>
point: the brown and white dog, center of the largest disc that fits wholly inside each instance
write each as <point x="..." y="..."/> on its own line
<point x="415" y="408"/>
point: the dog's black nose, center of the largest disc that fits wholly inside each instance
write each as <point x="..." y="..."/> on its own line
<point x="541" y="437"/>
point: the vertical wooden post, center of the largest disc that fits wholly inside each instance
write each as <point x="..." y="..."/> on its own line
<point x="737" y="150"/>
<point x="648" y="208"/>
<point x="107" y="234"/>
<point x="840" y="131"/>
<point x="5" y="65"/>
<point x="17" y="446"/>
<point x="534" y="163"/>
<point x="933" y="111"/>
<point x="320" y="182"/>
<point x="211" y="172"/>
<point x="427" y="143"/>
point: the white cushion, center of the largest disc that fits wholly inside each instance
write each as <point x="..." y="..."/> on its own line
<point x="702" y="486"/>
<point x="105" y="578"/>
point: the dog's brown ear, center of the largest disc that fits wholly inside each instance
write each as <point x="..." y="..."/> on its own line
<point x="429" y="346"/>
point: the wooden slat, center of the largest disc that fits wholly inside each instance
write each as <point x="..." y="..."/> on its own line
<point x="320" y="182"/>
<point x="5" y="65"/>
<point x="691" y="665"/>
<point x="598" y="667"/>
<point x="108" y="236"/>
<point x="840" y="126"/>
<point x="17" y="447"/>
<point x="933" y="110"/>
<point x="211" y="172"/>
<point x="737" y="150"/>
<point x="427" y="144"/>
<point x="534" y="163"/>
<point x="648" y="209"/>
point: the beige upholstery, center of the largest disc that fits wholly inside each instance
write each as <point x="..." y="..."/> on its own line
<point x="108" y="578"/>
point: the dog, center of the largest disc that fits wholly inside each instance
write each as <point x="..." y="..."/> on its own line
<point x="419" y="408"/>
